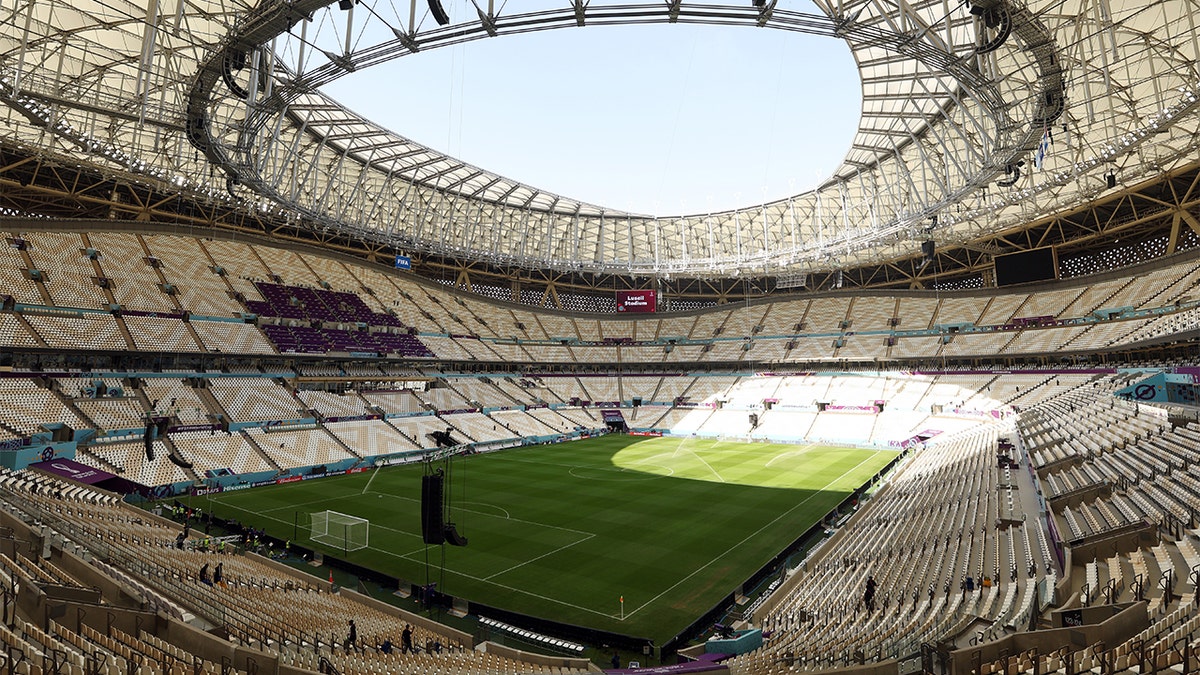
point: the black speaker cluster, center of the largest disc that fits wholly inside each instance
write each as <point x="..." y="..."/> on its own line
<point x="234" y="62"/>
<point x="452" y="536"/>
<point x="179" y="462"/>
<point x="434" y="528"/>
<point x="157" y="427"/>
<point x="439" y="12"/>
<point x="148" y="440"/>
<point x="443" y="438"/>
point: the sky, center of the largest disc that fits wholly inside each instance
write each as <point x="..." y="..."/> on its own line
<point x="660" y="119"/>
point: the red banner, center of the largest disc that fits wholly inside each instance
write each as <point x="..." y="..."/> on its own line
<point x="637" y="301"/>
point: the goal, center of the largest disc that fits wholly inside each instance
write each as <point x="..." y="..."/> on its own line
<point x="349" y="533"/>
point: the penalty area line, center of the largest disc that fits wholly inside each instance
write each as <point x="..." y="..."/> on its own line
<point x="407" y="556"/>
<point x="487" y="580"/>
<point x="491" y="515"/>
<point x="790" y="453"/>
<point x="745" y="539"/>
<point x="548" y="553"/>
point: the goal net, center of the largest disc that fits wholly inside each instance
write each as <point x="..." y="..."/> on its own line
<point x="348" y="533"/>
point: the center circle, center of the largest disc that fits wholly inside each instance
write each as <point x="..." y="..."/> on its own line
<point x="615" y="474"/>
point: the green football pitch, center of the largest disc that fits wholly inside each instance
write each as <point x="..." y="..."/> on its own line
<point x="565" y="531"/>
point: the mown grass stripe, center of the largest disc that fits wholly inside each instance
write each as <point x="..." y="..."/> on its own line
<point x="561" y="531"/>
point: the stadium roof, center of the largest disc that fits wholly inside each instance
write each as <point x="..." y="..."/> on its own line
<point x="977" y="117"/>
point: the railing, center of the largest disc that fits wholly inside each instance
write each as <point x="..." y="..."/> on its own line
<point x="96" y="662"/>
<point x="153" y="576"/>
<point x="1111" y="591"/>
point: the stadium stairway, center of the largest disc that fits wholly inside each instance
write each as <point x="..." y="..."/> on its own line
<point x="548" y="393"/>
<point x="447" y="420"/>
<point x="449" y="383"/>
<point x="260" y="450"/>
<point x="657" y="388"/>
<point x="187" y="323"/>
<point x="500" y="394"/>
<point x="504" y="425"/>
<point x="130" y="343"/>
<point x="40" y="282"/>
<point x="580" y="386"/>
<point x="545" y="426"/>
<point x="137" y="393"/>
<point x="654" y="418"/>
<point x="342" y="444"/>
<point x="403" y="433"/>
<point x="15" y="433"/>
<point x="28" y="329"/>
<point x="163" y="281"/>
<point x="96" y="460"/>
<point x="425" y="403"/>
<point x="684" y="395"/>
<point x="1157" y="297"/>
<point x="212" y="405"/>
<point x="1016" y="398"/>
<point x="55" y="387"/>
<point x="174" y="450"/>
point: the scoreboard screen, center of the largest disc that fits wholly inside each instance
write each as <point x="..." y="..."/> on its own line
<point x="637" y="301"/>
<point x="1039" y="264"/>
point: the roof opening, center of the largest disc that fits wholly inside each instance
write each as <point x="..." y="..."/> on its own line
<point x="648" y="119"/>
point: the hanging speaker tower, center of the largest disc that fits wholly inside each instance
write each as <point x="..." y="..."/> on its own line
<point x="439" y="12"/>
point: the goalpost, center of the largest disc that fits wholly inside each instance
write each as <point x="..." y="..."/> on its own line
<point x="349" y="533"/>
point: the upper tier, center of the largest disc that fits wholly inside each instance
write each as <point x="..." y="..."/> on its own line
<point x="170" y="293"/>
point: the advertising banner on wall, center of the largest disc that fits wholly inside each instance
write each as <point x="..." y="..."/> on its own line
<point x="72" y="470"/>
